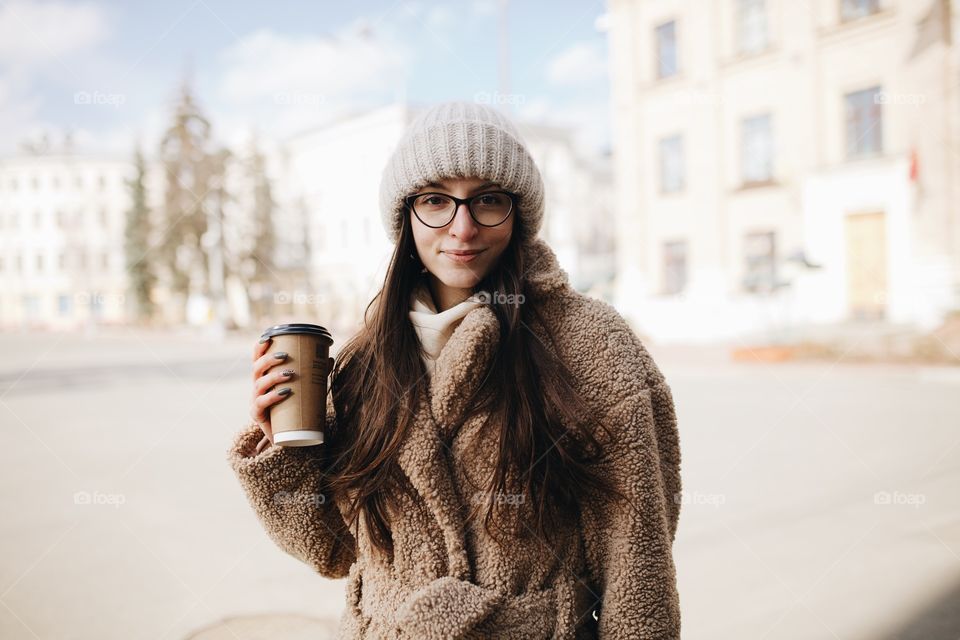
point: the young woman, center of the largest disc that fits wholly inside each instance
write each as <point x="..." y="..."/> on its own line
<point x="501" y="457"/>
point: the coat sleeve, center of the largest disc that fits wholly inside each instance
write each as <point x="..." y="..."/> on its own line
<point x="284" y="487"/>
<point x="629" y="545"/>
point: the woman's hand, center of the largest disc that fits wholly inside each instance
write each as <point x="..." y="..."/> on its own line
<point x="267" y="388"/>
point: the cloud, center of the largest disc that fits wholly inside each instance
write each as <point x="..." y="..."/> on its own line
<point x="40" y="43"/>
<point x="285" y="83"/>
<point x="266" y="64"/>
<point x="583" y="63"/>
<point x="34" y="33"/>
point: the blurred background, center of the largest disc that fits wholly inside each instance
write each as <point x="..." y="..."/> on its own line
<point x="766" y="189"/>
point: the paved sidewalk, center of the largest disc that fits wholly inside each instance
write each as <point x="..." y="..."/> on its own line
<point x="820" y="499"/>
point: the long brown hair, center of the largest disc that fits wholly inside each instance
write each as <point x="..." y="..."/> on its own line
<point x="544" y="432"/>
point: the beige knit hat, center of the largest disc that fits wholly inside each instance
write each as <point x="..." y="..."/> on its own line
<point x="461" y="140"/>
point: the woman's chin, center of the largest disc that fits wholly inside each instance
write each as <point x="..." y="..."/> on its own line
<point x="457" y="279"/>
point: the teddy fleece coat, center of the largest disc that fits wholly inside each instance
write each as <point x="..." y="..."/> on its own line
<point x="448" y="580"/>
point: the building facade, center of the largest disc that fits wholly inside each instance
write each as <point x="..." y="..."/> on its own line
<point x="785" y="164"/>
<point x="62" y="263"/>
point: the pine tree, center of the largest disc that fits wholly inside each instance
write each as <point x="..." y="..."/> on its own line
<point x="136" y="243"/>
<point x="260" y="257"/>
<point x="190" y="167"/>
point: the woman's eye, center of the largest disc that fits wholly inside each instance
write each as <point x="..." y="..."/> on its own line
<point x="490" y="199"/>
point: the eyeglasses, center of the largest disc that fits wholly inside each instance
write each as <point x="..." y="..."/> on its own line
<point x="488" y="209"/>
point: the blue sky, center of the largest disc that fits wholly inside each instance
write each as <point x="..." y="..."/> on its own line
<point x="109" y="71"/>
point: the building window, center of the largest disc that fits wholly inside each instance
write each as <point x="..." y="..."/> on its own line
<point x="671" y="164"/>
<point x="62" y="261"/>
<point x="751" y="26"/>
<point x="96" y="304"/>
<point x="105" y="261"/>
<point x="864" y="117"/>
<point x="757" y="149"/>
<point x="39" y="263"/>
<point x="666" y="53"/>
<point x="31" y="306"/>
<point x="674" y="266"/>
<point x="854" y="9"/>
<point x="759" y="251"/>
<point x="63" y="304"/>
<point x="37" y="219"/>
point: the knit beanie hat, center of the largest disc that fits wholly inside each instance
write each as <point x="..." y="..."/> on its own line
<point x="461" y="140"/>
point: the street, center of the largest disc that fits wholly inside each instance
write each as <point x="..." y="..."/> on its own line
<point x="820" y="498"/>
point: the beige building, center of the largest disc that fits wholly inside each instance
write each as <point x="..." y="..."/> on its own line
<point x="785" y="164"/>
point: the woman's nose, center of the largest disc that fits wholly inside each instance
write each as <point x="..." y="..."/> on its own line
<point x="463" y="225"/>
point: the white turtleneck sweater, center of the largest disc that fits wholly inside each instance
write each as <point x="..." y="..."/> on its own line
<point x="433" y="328"/>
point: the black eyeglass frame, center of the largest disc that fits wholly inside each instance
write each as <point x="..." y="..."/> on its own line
<point x="408" y="200"/>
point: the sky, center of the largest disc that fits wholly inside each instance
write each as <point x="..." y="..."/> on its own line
<point x="109" y="72"/>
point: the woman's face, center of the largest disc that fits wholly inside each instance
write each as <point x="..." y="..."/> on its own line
<point x="437" y="247"/>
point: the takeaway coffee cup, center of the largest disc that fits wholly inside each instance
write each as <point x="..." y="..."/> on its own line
<point x="299" y="420"/>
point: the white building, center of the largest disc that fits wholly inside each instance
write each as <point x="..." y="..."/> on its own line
<point x="758" y="139"/>
<point x="61" y="240"/>
<point x="62" y="229"/>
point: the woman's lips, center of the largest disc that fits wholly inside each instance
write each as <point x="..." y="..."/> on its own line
<point x="461" y="257"/>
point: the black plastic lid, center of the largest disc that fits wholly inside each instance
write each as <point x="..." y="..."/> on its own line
<point x="297" y="327"/>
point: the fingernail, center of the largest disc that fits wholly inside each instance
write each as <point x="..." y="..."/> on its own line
<point x="284" y="392"/>
<point x="264" y="339"/>
<point x="287" y="372"/>
<point x="280" y="355"/>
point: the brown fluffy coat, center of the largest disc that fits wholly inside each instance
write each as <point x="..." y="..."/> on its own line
<point x="446" y="580"/>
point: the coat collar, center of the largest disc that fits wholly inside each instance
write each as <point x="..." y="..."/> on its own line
<point x="471" y="347"/>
